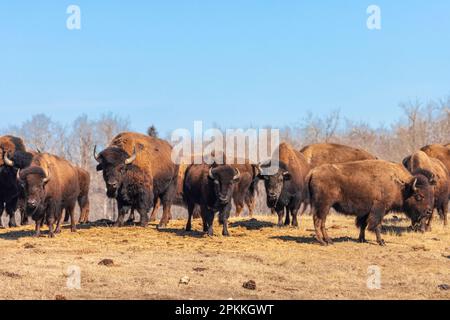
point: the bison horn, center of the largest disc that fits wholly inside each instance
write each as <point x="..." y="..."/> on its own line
<point x="414" y="188"/>
<point x="131" y="159"/>
<point x="211" y="174"/>
<point x="96" y="155"/>
<point x="47" y="177"/>
<point x="238" y="174"/>
<point x="8" y="161"/>
<point x="18" y="175"/>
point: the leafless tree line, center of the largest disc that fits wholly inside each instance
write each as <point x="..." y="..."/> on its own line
<point x="420" y="125"/>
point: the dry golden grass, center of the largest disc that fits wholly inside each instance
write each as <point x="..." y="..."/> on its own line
<point x="285" y="263"/>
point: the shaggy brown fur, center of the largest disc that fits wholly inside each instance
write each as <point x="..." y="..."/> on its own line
<point x="332" y="153"/>
<point x="154" y="156"/>
<point x="440" y="152"/>
<point x="45" y="202"/>
<point x="420" y="160"/>
<point x="368" y="189"/>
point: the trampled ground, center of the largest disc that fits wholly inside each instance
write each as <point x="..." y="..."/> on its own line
<point x="285" y="263"/>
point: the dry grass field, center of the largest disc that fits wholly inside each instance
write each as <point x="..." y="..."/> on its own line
<point x="285" y="263"/>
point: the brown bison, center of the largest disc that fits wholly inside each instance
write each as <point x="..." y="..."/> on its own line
<point x="246" y="189"/>
<point x="368" y="189"/>
<point x="10" y="147"/>
<point x="152" y="155"/>
<point x="50" y="185"/>
<point x="211" y="187"/>
<point x="440" y="178"/>
<point x="332" y="153"/>
<point x="286" y="189"/>
<point x="84" y="179"/>
<point x="440" y="152"/>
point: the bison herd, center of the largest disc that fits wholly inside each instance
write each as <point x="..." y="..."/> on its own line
<point x="139" y="173"/>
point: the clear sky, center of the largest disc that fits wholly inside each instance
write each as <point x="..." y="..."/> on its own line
<point x="235" y="63"/>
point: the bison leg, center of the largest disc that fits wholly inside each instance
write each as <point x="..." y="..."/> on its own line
<point x="191" y="208"/>
<point x="374" y="223"/>
<point x="143" y="211"/>
<point x="280" y="213"/>
<point x="167" y="206"/>
<point x="2" y="208"/>
<point x="131" y="218"/>
<point x="443" y="212"/>
<point x="210" y="222"/>
<point x="155" y="210"/>
<point x="287" y="222"/>
<point x="239" y="209"/>
<point x="318" y="229"/>
<point x="66" y="216"/>
<point x="84" y="205"/>
<point x="361" y="222"/>
<point x="11" y="208"/>
<point x="38" y="227"/>
<point x="71" y="211"/>
<point x="428" y="223"/>
<point x="122" y="211"/>
<point x="225" y="214"/>
<point x="50" y="223"/>
<point x="251" y="203"/>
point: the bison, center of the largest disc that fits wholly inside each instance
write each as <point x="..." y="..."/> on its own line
<point x="368" y="189"/>
<point x="84" y="179"/>
<point x="246" y="189"/>
<point x="135" y="192"/>
<point x="10" y="147"/>
<point x="332" y="153"/>
<point x="154" y="157"/>
<point x="440" y="178"/>
<point x="211" y="187"/>
<point x="286" y="189"/>
<point x="440" y="152"/>
<point x="50" y="185"/>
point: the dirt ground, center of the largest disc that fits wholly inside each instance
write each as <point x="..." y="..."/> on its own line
<point x="285" y="263"/>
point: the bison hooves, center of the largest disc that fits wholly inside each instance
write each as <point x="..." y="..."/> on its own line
<point x="382" y="243"/>
<point x="362" y="240"/>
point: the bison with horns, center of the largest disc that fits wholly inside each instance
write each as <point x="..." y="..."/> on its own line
<point x="11" y="148"/>
<point x="211" y="187"/>
<point x="50" y="185"/>
<point x="369" y="190"/>
<point x="153" y="156"/>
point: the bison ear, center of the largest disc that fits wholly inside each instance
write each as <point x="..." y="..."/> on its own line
<point x="99" y="167"/>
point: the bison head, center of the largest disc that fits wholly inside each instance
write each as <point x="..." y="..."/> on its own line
<point x="419" y="201"/>
<point x="224" y="177"/>
<point x="17" y="159"/>
<point x="33" y="182"/>
<point x="275" y="183"/>
<point x="112" y="161"/>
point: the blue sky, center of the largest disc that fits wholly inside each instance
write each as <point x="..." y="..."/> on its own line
<point x="235" y="63"/>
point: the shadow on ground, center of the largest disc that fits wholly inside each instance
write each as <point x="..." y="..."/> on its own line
<point x="311" y="239"/>
<point x="252" y="224"/>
